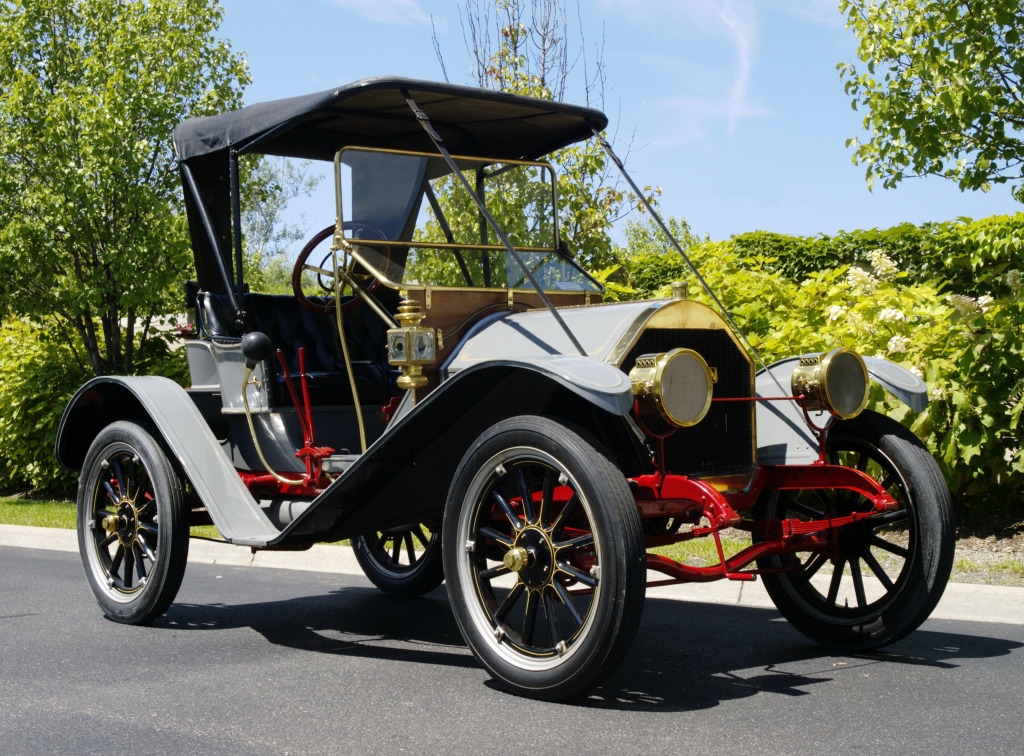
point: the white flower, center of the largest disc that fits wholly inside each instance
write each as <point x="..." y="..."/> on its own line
<point x="963" y="304"/>
<point x="984" y="301"/>
<point x="935" y="393"/>
<point x="1009" y="454"/>
<point x="836" y="311"/>
<point x="1014" y="280"/>
<point x="861" y="281"/>
<point x="898" y="344"/>
<point x="891" y="315"/>
<point x="882" y="264"/>
<point x="917" y="371"/>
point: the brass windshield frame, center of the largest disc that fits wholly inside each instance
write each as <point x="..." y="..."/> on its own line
<point x="382" y="278"/>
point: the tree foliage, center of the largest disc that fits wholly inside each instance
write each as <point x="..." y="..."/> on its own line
<point x="941" y="86"/>
<point x="92" y="240"/>
<point x="523" y="47"/>
<point x="269" y="231"/>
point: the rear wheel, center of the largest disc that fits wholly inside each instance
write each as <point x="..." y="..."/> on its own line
<point x="887" y="572"/>
<point x="544" y="557"/>
<point x="132" y="524"/>
<point x="403" y="561"/>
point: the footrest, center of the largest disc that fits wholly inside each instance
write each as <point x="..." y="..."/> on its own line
<point x="339" y="463"/>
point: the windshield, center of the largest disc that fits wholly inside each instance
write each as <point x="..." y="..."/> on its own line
<point x="418" y="227"/>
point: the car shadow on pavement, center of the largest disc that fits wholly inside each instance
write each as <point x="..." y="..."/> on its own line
<point x="690" y="656"/>
<point x="358" y="622"/>
<point x="686" y="656"/>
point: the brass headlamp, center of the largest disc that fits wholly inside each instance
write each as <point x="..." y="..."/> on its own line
<point x="411" y="346"/>
<point x="835" y="381"/>
<point x="674" y="385"/>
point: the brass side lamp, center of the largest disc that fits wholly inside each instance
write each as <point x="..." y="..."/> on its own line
<point x="411" y="346"/>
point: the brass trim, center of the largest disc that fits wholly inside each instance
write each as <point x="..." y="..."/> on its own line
<point x="647" y="381"/>
<point x="443" y="245"/>
<point x="810" y="378"/>
<point x="479" y="160"/>
<point x="687" y="313"/>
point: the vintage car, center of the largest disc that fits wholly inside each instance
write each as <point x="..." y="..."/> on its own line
<point x="445" y="387"/>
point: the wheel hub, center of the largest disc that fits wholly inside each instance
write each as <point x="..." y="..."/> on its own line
<point x="532" y="558"/>
<point x="126" y="523"/>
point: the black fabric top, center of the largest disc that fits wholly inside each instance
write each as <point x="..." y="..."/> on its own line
<point x="374" y="113"/>
<point x="369" y="113"/>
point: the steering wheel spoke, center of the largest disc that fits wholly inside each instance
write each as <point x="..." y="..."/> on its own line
<point x="327" y="276"/>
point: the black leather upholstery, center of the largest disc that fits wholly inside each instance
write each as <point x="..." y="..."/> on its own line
<point x="291" y="326"/>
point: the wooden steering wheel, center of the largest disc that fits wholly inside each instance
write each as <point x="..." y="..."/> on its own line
<point x="325" y="273"/>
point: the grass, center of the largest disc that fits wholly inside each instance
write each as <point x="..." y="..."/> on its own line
<point x="701" y="552"/>
<point x="54" y="513"/>
<point x="1008" y="566"/>
<point x="40" y="513"/>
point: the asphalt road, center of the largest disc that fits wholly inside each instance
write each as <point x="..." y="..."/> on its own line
<point x="274" y="661"/>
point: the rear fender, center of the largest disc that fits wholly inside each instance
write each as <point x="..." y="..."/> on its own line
<point x="163" y="404"/>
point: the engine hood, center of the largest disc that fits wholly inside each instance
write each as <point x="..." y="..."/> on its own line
<point x="606" y="331"/>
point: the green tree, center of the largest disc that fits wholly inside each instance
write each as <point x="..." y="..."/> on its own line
<point x="523" y="47"/>
<point x="92" y="239"/>
<point x="941" y="87"/>
<point x="269" y="232"/>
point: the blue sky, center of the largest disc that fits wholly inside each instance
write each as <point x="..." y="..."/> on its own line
<point x="734" y="107"/>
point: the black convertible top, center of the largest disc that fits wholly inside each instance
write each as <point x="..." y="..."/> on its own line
<point x="374" y="113"/>
<point x="369" y="113"/>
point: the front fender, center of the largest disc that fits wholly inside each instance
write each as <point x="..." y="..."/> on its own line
<point x="164" y="404"/>
<point x="783" y="437"/>
<point x="405" y="475"/>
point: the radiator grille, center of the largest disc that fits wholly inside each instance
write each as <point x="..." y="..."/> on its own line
<point x="723" y="442"/>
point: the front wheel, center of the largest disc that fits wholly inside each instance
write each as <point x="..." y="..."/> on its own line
<point x="888" y="572"/>
<point x="544" y="557"/>
<point x="132" y="524"/>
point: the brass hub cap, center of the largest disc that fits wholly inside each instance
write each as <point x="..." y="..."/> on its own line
<point x="516" y="558"/>
<point x="536" y="570"/>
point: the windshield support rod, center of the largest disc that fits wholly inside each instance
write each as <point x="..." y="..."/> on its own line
<point x="686" y="258"/>
<point x="210" y="233"/>
<point x="439" y="143"/>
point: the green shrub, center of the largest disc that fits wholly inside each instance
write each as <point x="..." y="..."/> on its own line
<point x="962" y="256"/>
<point x="970" y="350"/>
<point x="38" y="375"/>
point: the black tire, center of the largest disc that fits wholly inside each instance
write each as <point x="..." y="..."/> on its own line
<point x="132" y="524"/>
<point x="555" y="620"/>
<point x="889" y="572"/>
<point x="402" y="561"/>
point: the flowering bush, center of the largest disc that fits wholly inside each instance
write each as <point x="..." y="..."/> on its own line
<point x="969" y="349"/>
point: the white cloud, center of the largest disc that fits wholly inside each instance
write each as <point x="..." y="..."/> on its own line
<point x="740" y="21"/>
<point x="718" y="92"/>
<point x="399" y="12"/>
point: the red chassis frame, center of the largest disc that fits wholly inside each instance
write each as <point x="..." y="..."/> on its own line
<point x="695" y="501"/>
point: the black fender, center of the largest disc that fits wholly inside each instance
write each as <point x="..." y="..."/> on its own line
<point x="405" y="475"/>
